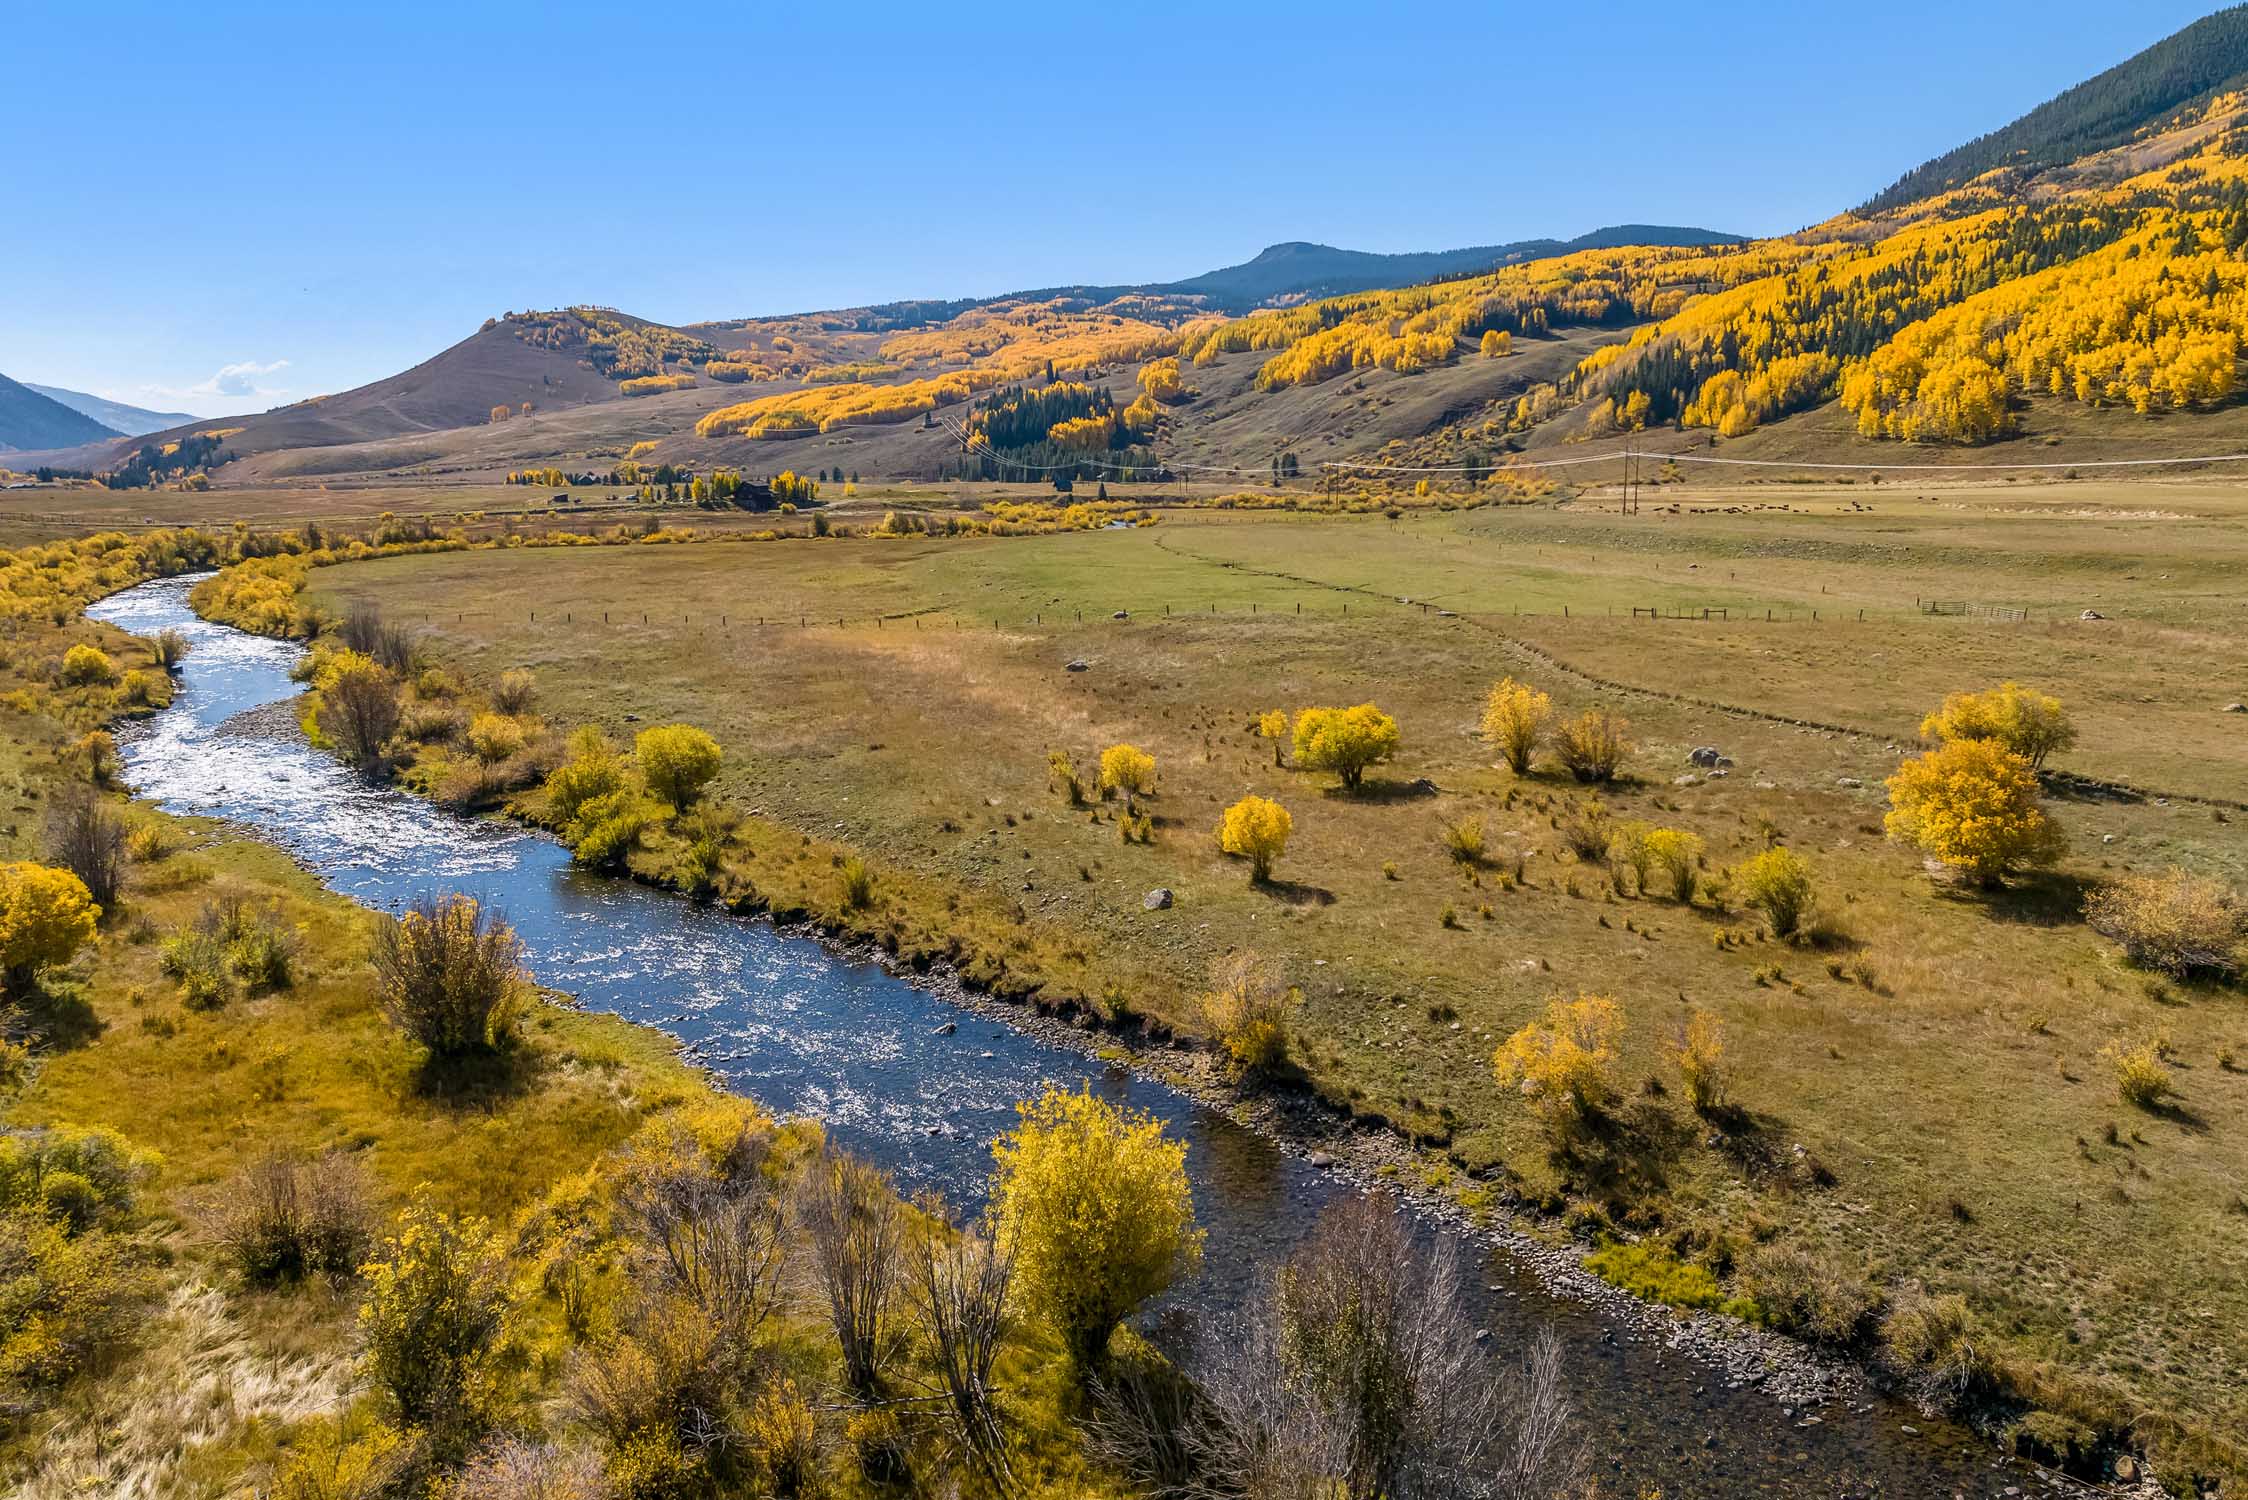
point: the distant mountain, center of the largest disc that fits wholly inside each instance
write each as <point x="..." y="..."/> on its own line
<point x="2207" y="58"/>
<point x="1299" y="269"/>
<point x="31" y="420"/>
<point x="132" y="421"/>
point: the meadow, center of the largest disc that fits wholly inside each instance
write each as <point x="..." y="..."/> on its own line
<point x="1922" y="1099"/>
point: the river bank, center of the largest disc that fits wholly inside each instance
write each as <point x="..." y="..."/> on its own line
<point x="924" y="1106"/>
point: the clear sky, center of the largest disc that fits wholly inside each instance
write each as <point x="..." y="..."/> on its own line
<point x="218" y="207"/>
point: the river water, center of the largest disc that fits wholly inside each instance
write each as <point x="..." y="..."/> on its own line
<point x="783" y="1019"/>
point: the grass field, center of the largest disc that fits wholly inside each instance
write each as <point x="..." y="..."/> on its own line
<point x="901" y="698"/>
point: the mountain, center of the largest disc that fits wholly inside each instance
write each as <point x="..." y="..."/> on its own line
<point x="2182" y="71"/>
<point x="132" y="421"/>
<point x="1299" y="270"/>
<point x="29" y="419"/>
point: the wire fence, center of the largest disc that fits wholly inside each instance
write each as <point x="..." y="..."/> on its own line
<point x="615" y="615"/>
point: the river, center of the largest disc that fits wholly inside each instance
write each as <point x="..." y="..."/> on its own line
<point x="782" y="1018"/>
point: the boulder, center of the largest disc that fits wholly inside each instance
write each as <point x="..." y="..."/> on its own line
<point x="1158" y="899"/>
<point x="2091" y="614"/>
<point x="1848" y="781"/>
<point x="1079" y="665"/>
<point x="1707" y="755"/>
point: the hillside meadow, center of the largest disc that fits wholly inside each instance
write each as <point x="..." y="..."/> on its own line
<point x="1919" y="1101"/>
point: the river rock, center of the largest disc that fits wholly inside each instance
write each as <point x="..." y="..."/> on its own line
<point x="1158" y="899"/>
<point x="948" y="1028"/>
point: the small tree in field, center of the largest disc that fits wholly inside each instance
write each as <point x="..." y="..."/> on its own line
<point x="1700" y="1054"/>
<point x="2174" y="923"/>
<point x="1345" y="741"/>
<point x="1256" y="829"/>
<point x="46" y="916"/>
<point x="1514" y="719"/>
<point x="1127" y="769"/>
<point x="1592" y="746"/>
<point x="1249" y="1009"/>
<point x="1092" y="1205"/>
<point x="1677" y="854"/>
<point x="358" y="711"/>
<point x="2031" y="724"/>
<point x="451" y="975"/>
<point x="1563" y="1063"/>
<point x="1778" y="884"/>
<point x="1272" y="724"/>
<point x="1973" y="806"/>
<point x="676" y="761"/>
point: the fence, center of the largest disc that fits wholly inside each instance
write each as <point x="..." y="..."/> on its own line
<point x="1996" y="613"/>
<point x="934" y="619"/>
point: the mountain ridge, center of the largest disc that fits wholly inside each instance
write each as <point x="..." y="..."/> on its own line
<point x="31" y="421"/>
<point x="119" y="416"/>
<point x="2187" y="68"/>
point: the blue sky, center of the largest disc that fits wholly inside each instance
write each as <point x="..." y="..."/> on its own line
<point x="220" y="207"/>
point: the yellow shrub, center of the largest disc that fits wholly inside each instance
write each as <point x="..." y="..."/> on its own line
<point x="494" y="737"/>
<point x="1255" y="829"/>
<point x="1127" y="768"/>
<point x="1094" y="1205"/>
<point x="1345" y="740"/>
<point x="2032" y="725"/>
<point x="1562" y="1064"/>
<point x="1249" y="1009"/>
<point x="1778" y="884"/>
<point x="2140" y="1077"/>
<point x="1592" y="746"/>
<point x="1700" y="1054"/>
<point x="1973" y="806"/>
<point x="1514" y="717"/>
<point x="84" y="665"/>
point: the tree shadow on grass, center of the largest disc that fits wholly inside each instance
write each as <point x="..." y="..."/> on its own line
<point x="2050" y="899"/>
<point x="2179" y="1115"/>
<point x="53" y="1013"/>
<point x="1383" y="790"/>
<point x="1297" y="892"/>
<point x="1625" y="1155"/>
<point x="480" y="1080"/>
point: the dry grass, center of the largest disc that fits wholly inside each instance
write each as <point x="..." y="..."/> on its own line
<point x="1908" y="1067"/>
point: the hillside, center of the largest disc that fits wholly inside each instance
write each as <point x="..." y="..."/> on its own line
<point x="2079" y="271"/>
<point x="132" y="421"/>
<point x="30" y="420"/>
<point x="2187" y="69"/>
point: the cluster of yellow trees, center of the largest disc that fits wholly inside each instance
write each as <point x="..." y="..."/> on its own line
<point x="2135" y="325"/>
<point x="1021" y="340"/>
<point x="1414" y="328"/>
<point x="651" y="385"/>
<point x="621" y="348"/>
<point x="2131" y="296"/>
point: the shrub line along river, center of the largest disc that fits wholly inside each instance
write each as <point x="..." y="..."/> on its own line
<point x="803" y="1029"/>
